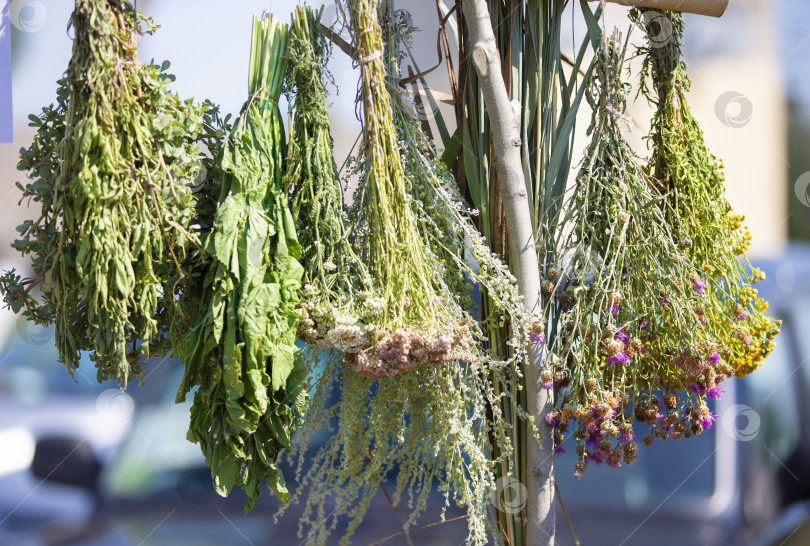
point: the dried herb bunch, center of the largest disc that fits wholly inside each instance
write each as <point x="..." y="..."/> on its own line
<point x="417" y="322"/>
<point x="336" y="284"/>
<point x="111" y="165"/>
<point x="241" y="354"/>
<point x="428" y="423"/>
<point x="630" y="342"/>
<point x="710" y="232"/>
<point x="457" y="248"/>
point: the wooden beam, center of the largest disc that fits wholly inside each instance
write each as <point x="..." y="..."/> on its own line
<point x="713" y="8"/>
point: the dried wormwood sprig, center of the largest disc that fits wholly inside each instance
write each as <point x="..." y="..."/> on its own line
<point x="428" y="423"/>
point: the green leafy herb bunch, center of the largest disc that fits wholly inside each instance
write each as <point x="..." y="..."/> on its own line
<point x="110" y="166"/>
<point x="241" y="354"/>
<point x="336" y="285"/>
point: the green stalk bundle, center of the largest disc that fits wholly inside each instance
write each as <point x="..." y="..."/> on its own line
<point x="711" y="233"/>
<point x="441" y="218"/>
<point x="111" y="164"/>
<point x="630" y="332"/>
<point x="416" y="322"/>
<point x="242" y="353"/>
<point x="336" y="283"/>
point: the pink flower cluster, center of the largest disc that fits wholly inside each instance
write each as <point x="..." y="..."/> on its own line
<point x="406" y="348"/>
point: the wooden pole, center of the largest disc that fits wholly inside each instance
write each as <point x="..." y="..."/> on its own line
<point x="713" y="8"/>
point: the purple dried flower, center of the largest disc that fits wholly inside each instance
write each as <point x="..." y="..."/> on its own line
<point x="614" y="309"/>
<point x="714" y="358"/>
<point x="715" y="393"/>
<point x="707" y="420"/>
<point x="551" y="419"/>
<point x="741" y="316"/>
<point x="620" y="358"/>
<point x="621" y="336"/>
<point x="559" y="449"/>
<point x="538" y="339"/>
<point x="697" y="389"/>
<point x="698" y="285"/>
<point x="599" y="455"/>
<point x="564" y="309"/>
<point x="644" y="325"/>
<point x="627" y="435"/>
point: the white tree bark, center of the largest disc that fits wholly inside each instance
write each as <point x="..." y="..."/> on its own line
<point x="505" y="137"/>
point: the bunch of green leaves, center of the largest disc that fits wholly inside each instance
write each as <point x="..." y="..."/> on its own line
<point x="711" y="233"/>
<point x="241" y="354"/>
<point x="110" y="164"/>
<point x="336" y="283"/>
<point x="630" y="300"/>
<point x="206" y="188"/>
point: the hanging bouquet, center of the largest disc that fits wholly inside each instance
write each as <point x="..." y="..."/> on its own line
<point x="336" y="287"/>
<point x="241" y="354"/>
<point x="631" y="343"/>
<point x="710" y="233"/>
<point x="418" y="401"/>
<point x="111" y="163"/>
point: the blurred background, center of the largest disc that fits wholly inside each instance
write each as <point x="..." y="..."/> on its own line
<point x="83" y="463"/>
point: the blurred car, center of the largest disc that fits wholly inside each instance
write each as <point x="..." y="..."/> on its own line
<point x="38" y="399"/>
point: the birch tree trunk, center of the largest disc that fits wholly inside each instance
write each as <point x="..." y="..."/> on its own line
<point x="505" y="137"/>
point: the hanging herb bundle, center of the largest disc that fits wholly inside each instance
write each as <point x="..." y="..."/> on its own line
<point x="111" y="164"/>
<point x="631" y="343"/>
<point x="242" y="354"/>
<point x="417" y="323"/>
<point x="691" y="178"/>
<point x="336" y="284"/>
<point x="426" y="422"/>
